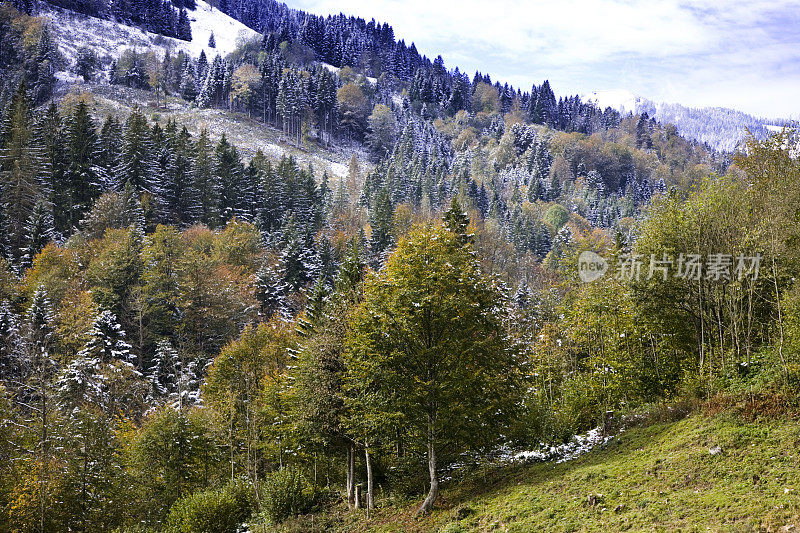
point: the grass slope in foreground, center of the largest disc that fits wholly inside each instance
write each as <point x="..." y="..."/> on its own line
<point x="658" y="477"/>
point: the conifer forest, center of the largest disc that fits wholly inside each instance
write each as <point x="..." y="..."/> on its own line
<point x="263" y="269"/>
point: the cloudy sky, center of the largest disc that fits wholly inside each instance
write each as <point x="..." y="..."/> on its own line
<point x="742" y="54"/>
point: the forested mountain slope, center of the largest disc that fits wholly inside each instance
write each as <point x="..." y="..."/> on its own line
<point x="721" y="128"/>
<point x="312" y="271"/>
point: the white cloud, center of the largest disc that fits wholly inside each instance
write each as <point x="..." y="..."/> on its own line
<point x="738" y="54"/>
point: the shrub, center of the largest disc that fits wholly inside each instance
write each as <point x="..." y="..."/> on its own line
<point x="556" y="216"/>
<point x="212" y="511"/>
<point x="284" y="493"/>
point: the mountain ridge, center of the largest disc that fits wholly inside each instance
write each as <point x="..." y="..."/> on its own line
<point x="723" y="128"/>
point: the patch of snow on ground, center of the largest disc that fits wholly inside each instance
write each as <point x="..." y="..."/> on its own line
<point x="109" y="39"/>
<point x="336" y="70"/>
<point x="228" y="32"/>
<point x="339" y="169"/>
<point x="579" y="445"/>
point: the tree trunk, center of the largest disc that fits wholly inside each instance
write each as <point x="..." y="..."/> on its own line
<point x="433" y="493"/>
<point x="350" y="474"/>
<point x="370" y="504"/>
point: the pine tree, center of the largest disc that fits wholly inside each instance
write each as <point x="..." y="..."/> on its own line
<point x="270" y="197"/>
<point x="187" y="201"/>
<point x="81" y="177"/>
<point x="228" y="172"/>
<point x="41" y="71"/>
<point x="457" y="222"/>
<point x="296" y="268"/>
<point x="188" y="86"/>
<point x="205" y="182"/>
<point x="108" y="157"/>
<point x="271" y="293"/>
<point x="81" y="383"/>
<point x="522" y="296"/>
<point x="643" y="138"/>
<point x="542" y="241"/>
<point x="137" y="164"/>
<point x="24" y="169"/>
<point x="212" y="42"/>
<point x="184" y="28"/>
<point x="202" y="65"/>
<point x="10" y="364"/>
<point x="326" y="259"/>
<point x="36" y="384"/>
<point x="39" y="231"/>
<point x="53" y="137"/>
<point x="382" y="224"/>
<point x="351" y="273"/>
<point x="162" y="373"/>
<point x="107" y="341"/>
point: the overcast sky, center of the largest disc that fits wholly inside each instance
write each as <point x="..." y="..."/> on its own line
<point x="743" y="54"/>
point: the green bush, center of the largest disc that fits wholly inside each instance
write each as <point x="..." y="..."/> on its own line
<point x="556" y="216"/>
<point x="212" y="511"/>
<point x="284" y="493"/>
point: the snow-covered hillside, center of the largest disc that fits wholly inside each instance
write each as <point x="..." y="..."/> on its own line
<point x="227" y="31"/>
<point x="108" y="39"/>
<point x="623" y="101"/>
<point x="721" y="128"/>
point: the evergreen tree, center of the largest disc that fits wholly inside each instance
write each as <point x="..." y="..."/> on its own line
<point x="137" y="164"/>
<point x="39" y="230"/>
<point x="382" y="224"/>
<point x="81" y="383"/>
<point x="228" y="172"/>
<point x="107" y="341"/>
<point x="37" y="370"/>
<point x="202" y="65"/>
<point x="522" y="296"/>
<point x="643" y="138"/>
<point x="24" y="169"/>
<point x="457" y="222"/>
<point x="10" y="364"/>
<point x="162" y="372"/>
<point x="86" y="63"/>
<point x="184" y="28"/>
<point x="206" y="185"/>
<point x="188" y="87"/>
<point x="326" y="259"/>
<point x="108" y="153"/>
<point x="297" y="259"/>
<point x="42" y="68"/>
<point x="172" y="379"/>
<point x="270" y="198"/>
<point x="54" y="141"/>
<point x="82" y="179"/>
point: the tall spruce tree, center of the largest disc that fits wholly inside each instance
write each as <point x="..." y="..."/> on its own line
<point x="82" y="178"/>
<point x="205" y="182"/>
<point x="39" y="230"/>
<point x="228" y="171"/>
<point x="24" y="169"/>
<point x="382" y="224"/>
<point x="137" y="164"/>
